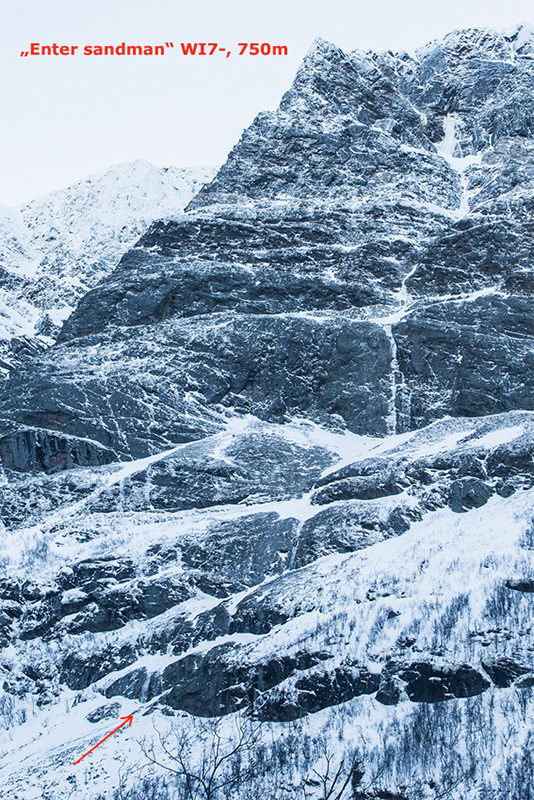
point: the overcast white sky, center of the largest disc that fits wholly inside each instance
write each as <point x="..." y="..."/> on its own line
<point x="63" y="118"/>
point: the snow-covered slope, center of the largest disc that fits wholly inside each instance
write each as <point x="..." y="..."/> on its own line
<point x="56" y="247"/>
<point x="121" y="603"/>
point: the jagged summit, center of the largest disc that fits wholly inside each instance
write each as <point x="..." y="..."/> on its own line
<point x="321" y="47"/>
<point x="465" y="43"/>
<point x="372" y="102"/>
<point x="517" y="41"/>
<point x="522" y="35"/>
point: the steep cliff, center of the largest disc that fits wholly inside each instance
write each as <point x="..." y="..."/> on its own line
<point x="278" y="466"/>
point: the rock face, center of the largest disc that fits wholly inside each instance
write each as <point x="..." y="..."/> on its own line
<point x="426" y="683"/>
<point x="278" y="467"/>
<point x="31" y="449"/>
<point x="364" y="252"/>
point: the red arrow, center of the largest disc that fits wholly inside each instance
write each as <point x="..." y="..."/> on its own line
<point x="126" y="720"/>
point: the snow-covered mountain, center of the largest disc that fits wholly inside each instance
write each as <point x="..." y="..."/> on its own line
<point x="271" y="491"/>
<point x="57" y="247"/>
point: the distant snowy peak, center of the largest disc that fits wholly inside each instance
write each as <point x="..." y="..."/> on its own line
<point x="58" y="246"/>
<point x="17" y="251"/>
<point x="120" y="197"/>
<point x="110" y="207"/>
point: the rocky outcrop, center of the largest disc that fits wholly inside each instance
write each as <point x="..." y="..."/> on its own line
<point x="41" y="450"/>
<point x="245" y="550"/>
<point x="422" y="682"/>
<point x="362" y="488"/>
<point x="213" y="684"/>
<point x="521" y="585"/>
<point x="109" y="711"/>
<point x="468" y="493"/>
<point x="351" y="526"/>
<point x="317" y="691"/>
<point x="505" y="671"/>
<point x="246" y="465"/>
